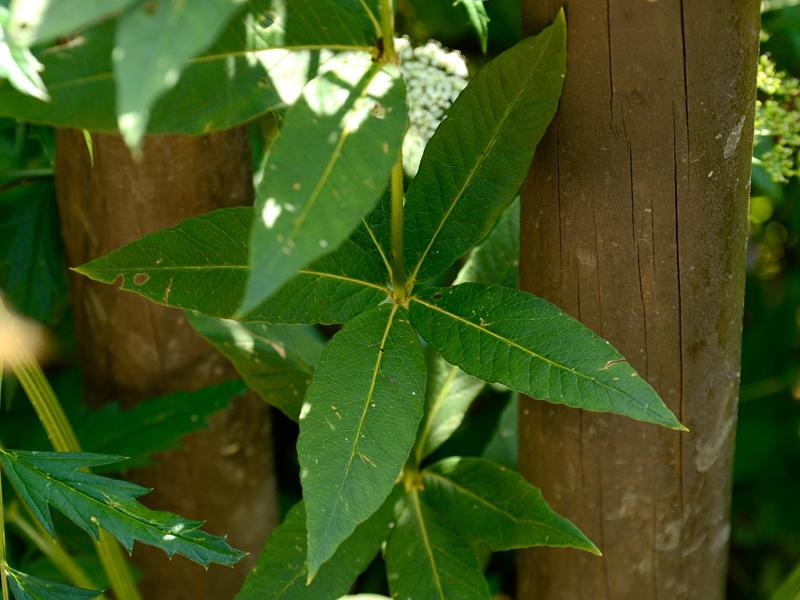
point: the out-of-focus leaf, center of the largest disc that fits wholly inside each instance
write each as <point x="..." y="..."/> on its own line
<point x="503" y="445"/>
<point x="28" y="587"/>
<point x="790" y="589"/>
<point x="38" y="21"/>
<point x="32" y="273"/>
<point x="276" y="361"/>
<point x="18" y="65"/>
<point x="151" y="426"/>
<point x="326" y="170"/>
<point x="44" y="479"/>
<point x="240" y="77"/>
<point x="358" y="424"/>
<point x="153" y="43"/>
<point x="507" y="336"/>
<point x="478" y="18"/>
<point x="281" y="570"/>
<point x="201" y="265"/>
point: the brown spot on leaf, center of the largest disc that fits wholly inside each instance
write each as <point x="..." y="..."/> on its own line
<point x="141" y="278"/>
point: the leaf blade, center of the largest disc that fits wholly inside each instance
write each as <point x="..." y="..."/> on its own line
<point x="201" y="265"/>
<point x="358" y="425"/>
<point x="281" y="569"/>
<point x="326" y="170"/>
<point x="532" y="349"/>
<point x="445" y="568"/>
<point x="92" y="502"/>
<point x="28" y="587"/>
<point x="276" y="361"/>
<point x="478" y="157"/>
<point x="489" y="503"/>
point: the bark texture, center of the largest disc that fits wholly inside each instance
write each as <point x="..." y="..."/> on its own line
<point x="634" y="221"/>
<point x="131" y="349"/>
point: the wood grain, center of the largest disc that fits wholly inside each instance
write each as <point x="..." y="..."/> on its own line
<point x="634" y="221"/>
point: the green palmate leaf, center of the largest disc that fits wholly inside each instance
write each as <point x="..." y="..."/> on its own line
<point x="32" y="274"/>
<point x="479" y="156"/>
<point x="495" y="261"/>
<point x="281" y="570"/>
<point x="151" y="426"/>
<point x="18" y="65"/>
<point x="28" y="587"/>
<point x="44" y="479"/>
<point x="201" y="265"/>
<point x="358" y="424"/>
<point x="153" y="44"/>
<point x="38" y="21"/>
<point x="427" y="560"/>
<point x="449" y="395"/>
<point x="326" y="170"/>
<point x="239" y="78"/>
<point x="478" y="18"/>
<point x="276" y="361"/>
<point x="488" y="503"/>
<point x="529" y="345"/>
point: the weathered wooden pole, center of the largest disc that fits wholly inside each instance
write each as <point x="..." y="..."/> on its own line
<point x="131" y="349"/>
<point x="634" y="221"/>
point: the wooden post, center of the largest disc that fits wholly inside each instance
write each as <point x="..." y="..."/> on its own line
<point x="131" y="349"/>
<point x="634" y="221"/>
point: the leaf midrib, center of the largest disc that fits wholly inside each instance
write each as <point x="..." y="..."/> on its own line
<point x="423" y="528"/>
<point x="538" y="356"/>
<point x="479" y="163"/>
<point x="365" y="411"/>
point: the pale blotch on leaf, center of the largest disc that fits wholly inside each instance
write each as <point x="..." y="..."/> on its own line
<point x="270" y="213"/>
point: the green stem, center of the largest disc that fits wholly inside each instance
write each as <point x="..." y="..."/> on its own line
<point x="387" y="27"/>
<point x="63" y="439"/>
<point x="398" y="259"/>
<point x="3" y="574"/>
<point x="54" y="552"/>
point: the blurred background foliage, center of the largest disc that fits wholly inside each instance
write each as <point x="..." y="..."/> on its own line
<point x="765" y="536"/>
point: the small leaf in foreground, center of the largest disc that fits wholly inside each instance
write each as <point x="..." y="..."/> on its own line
<point x="44" y="479"/>
<point x="276" y="361"/>
<point x="358" y="425"/>
<point x="326" y="170"/>
<point x="427" y="560"/>
<point x="489" y="503"/>
<point x="18" y="65"/>
<point x="28" y="587"/>
<point x="153" y="43"/>
<point x="529" y="345"/>
<point x="281" y="569"/>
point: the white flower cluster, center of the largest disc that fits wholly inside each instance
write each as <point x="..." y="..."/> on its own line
<point x="434" y="77"/>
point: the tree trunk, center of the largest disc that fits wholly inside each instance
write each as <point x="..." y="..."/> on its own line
<point x="634" y="221"/>
<point x="131" y="349"/>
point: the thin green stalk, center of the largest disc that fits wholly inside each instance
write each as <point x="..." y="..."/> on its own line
<point x="52" y="550"/>
<point x="3" y="575"/>
<point x="398" y="259"/>
<point x="63" y="439"/>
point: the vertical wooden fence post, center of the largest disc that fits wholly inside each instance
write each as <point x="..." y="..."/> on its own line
<point x="131" y="349"/>
<point x="634" y="221"/>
